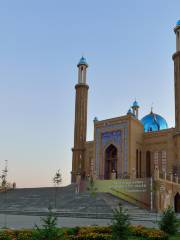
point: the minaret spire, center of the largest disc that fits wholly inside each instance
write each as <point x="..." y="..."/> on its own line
<point x="135" y="108"/>
<point x="80" y="125"/>
<point x="176" y="58"/>
<point x="82" y="65"/>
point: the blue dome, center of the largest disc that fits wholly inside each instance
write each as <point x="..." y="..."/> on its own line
<point x="154" y="122"/>
<point x="135" y="104"/>
<point x="82" y="61"/>
<point x="178" y="23"/>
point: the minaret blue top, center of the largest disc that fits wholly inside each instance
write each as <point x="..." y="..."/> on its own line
<point x="135" y="104"/>
<point x="82" y="61"/>
<point x="129" y="112"/>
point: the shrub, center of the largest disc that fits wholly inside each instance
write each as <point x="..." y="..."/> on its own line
<point x="71" y="231"/>
<point x="169" y="222"/>
<point x="49" y="230"/>
<point x="120" y="224"/>
<point x="24" y="234"/>
<point x="5" y="236"/>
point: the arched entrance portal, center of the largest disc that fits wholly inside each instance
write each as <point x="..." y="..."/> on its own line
<point x="110" y="161"/>
<point x="177" y="203"/>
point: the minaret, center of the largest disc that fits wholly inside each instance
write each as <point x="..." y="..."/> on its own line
<point x="80" y="126"/>
<point x="135" y="108"/>
<point x="176" y="58"/>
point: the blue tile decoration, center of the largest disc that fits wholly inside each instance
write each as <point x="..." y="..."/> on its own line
<point x="109" y="133"/>
<point x="113" y="136"/>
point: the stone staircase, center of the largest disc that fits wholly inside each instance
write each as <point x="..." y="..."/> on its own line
<point x="35" y="201"/>
<point x="136" y="213"/>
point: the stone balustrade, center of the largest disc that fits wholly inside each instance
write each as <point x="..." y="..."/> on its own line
<point x="166" y="176"/>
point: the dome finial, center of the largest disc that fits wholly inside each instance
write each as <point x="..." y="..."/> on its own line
<point x="152" y="108"/>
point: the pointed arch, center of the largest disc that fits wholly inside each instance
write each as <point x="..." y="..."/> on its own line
<point x="111" y="155"/>
<point x="177" y="203"/>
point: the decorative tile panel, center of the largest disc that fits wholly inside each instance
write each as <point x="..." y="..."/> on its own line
<point x="117" y="133"/>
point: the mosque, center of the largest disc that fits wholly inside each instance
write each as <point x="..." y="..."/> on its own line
<point x="127" y="147"/>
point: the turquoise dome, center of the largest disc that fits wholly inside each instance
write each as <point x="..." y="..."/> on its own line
<point x="82" y="61"/>
<point x="153" y="122"/>
<point x="178" y="23"/>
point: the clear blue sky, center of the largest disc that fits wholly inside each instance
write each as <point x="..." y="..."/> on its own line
<point x="128" y="46"/>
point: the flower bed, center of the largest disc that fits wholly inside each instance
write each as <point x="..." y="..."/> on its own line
<point x="87" y="233"/>
<point x="148" y="233"/>
<point x="105" y="233"/>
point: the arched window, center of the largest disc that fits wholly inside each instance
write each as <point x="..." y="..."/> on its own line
<point x="177" y="203"/>
<point x="148" y="164"/>
<point x="137" y="164"/>
<point x="164" y="161"/>
<point x="140" y="156"/>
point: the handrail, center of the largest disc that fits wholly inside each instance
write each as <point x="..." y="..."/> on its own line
<point x="130" y="197"/>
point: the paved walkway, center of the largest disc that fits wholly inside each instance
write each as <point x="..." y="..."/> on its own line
<point x="22" y="221"/>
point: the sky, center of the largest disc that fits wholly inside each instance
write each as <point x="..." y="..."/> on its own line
<point x="128" y="45"/>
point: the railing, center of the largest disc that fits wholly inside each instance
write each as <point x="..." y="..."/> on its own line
<point x="124" y="175"/>
<point x="134" y="200"/>
<point x="171" y="177"/>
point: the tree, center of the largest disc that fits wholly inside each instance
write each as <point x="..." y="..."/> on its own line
<point x="169" y="222"/>
<point x="57" y="179"/>
<point x="4" y="185"/>
<point x="120" y="224"/>
<point x="49" y="230"/>
<point x="4" y="177"/>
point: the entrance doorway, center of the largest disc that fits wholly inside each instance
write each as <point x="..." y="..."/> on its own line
<point x="177" y="203"/>
<point x="110" y="161"/>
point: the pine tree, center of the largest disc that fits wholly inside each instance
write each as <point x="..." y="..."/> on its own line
<point x="169" y="222"/>
<point x="49" y="229"/>
<point x="120" y="224"/>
